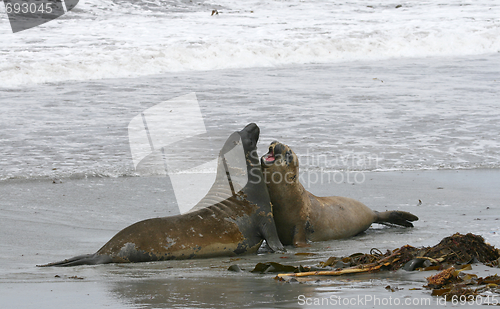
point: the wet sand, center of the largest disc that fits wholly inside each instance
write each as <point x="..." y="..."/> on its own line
<point x="42" y="221"/>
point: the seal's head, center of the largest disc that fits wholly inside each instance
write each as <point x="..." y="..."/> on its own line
<point x="280" y="160"/>
<point x="249" y="137"/>
<point x="238" y="159"/>
<point x="245" y="141"/>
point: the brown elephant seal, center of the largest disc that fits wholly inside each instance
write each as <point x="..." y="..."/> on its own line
<point x="235" y="225"/>
<point x="301" y="216"/>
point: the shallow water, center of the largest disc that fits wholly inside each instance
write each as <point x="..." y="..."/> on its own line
<point x="43" y="221"/>
<point x="406" y="114"/>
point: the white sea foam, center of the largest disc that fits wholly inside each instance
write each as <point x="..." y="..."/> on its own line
<point x="106" y="39"/>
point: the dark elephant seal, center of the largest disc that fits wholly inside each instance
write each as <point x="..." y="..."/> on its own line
<point x="301" y="216"/>
<point x="234" y="225"/>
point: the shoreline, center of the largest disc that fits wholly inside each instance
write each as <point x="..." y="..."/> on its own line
<point x="43" y="222"/>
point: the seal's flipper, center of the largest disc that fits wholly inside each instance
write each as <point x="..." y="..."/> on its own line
<point x="299" y="237"/>
<point x="270" y="234"/>
<point x="86" y="259"/>
<point x="396" y="217"/>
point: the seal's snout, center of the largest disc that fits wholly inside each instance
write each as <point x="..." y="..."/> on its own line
<point x="279" y="149"/>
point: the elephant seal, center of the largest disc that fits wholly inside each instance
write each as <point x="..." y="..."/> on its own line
<point x="235" y="225"/>
<point x="301" y="216"/>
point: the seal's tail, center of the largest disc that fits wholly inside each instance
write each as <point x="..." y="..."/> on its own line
<point x="395" y="217"/>
<point x="86" y="259"/>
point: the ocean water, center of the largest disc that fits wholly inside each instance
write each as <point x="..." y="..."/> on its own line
<point x="351" y="85"/>
<point x="395" y="114"/>
<point x="109" y="39"/>
<point x="395" y="91"/>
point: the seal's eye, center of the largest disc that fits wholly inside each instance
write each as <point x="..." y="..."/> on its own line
<point x="289" y="157"/>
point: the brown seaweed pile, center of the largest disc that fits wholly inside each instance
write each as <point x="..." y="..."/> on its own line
<point x="452" y="255"/>
<point x="454" y="284"/>
<point x="460" y="249"/>
<point x="457" y="249"/>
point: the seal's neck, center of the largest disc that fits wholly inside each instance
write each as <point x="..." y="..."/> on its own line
<point x="287" y="195"/>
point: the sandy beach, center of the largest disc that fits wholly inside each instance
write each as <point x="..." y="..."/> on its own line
<point x="42" y="221"/>
<point x="401" y="99"/>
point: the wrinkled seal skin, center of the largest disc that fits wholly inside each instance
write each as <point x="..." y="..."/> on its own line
<point x="301" y="216"/>
<point x="234" y="226"/>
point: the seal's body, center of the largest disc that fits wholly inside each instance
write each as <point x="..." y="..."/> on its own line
<point x="301" y="216"/>
<point x="235" y="225"/>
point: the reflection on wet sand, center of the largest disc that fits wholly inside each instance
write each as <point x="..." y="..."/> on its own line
<point x="232" y="291"/>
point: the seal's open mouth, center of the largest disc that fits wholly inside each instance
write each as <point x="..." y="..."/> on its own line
<point x="269" y="157"/>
